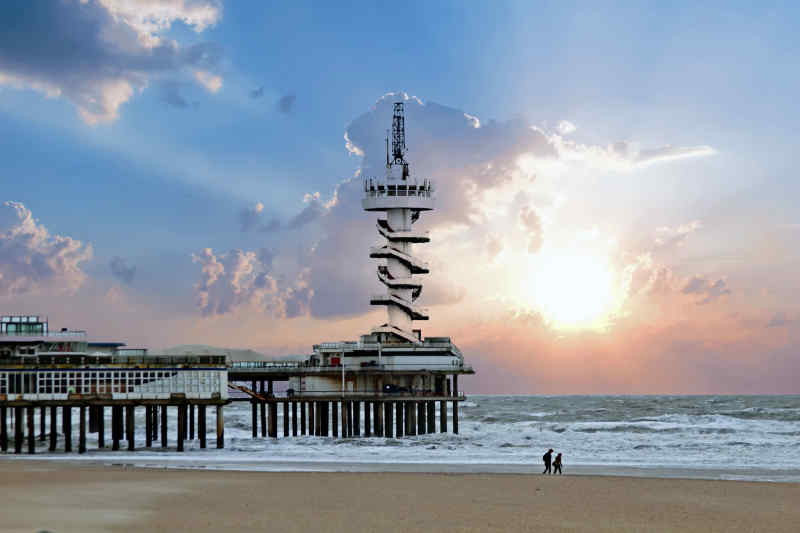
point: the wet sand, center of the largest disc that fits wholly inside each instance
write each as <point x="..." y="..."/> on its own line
<point x="66" y="497"/>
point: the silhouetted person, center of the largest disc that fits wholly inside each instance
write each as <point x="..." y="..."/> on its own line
<point x="557" y="465"/>
<point x="547" y="458"/>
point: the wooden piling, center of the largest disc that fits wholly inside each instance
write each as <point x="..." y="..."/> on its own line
<point x="273" y="419"/>
<point x="181" y="426"/>
<point x="263" y="407"/>
<point x="155" y="423"/>
<point x="31" y="415"/>
<point x="254" y="413"/>
<point x="387" y="419"/>
<point x="443" y="416"/>
<point x="116" y="412"/>
<point x="220" y="427"/>
<point x="92" y="419"/>
<point x="201" y="425"/>
<point x="398" y="422"/>
<point x="3" y="428"/>
<point x="344" y="419"/>
<point x="67" y="414"/>
<point x="377" y="418"/>
<point x="148" y="426"/>
<point x="412" y="418"/>
<point x="42" y="424"/>
<point x="130" y="419"/>
<point x="191" y="421"/>
<point x="455" y="404"/>
<point x="101" y="426"/>
<point x="350" y="419"/>
<point x="53" y="428"/>
<point x="431" y="416"/>
<point x="302" y="418"/>
<point x="367" y="428"/>
<point x="317" y="418"/>
<point x="356" y="419"/>
<point x="18" y="430"/>
<point x="294" y="419"/>
<point x="421" y="428"/>
<point x="82" y="429"/>
<point x="285" y="419"/>
<point x="335" y="419"/>
<point x="311" y="418"/>
<point x="164" y="410"/>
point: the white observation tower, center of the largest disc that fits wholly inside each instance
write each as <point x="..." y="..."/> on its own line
<point x="402" y="197"/>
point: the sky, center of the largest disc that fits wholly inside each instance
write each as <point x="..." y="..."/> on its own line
<point x="616" y="205"/>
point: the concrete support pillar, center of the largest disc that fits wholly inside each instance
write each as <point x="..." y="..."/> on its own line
<point x="421" y="418"/>
<point x="4" y="428"/>
<point x="82" y="429"/>
<point x="31" y="415"/>
<point x="356" y="419"/>
<point x="220" y="427"/>
<point x="367" y="428"/>
<point x="101" y="426"/>
<point x="273" y="420"/>
<point x="398" y="415"/>
<point x="42" y="424"/>
<point x="191" y="421"/>
<point x="311" y="418"/>
<point x="377" y="418"/>
<point x="130" y="418"/>
<point x="148" y="430"/>
<point x="302" y="418"/>
<point x="154" y="423"/>
<point x="317" y="419"/>
<point x="286" y="419"/>
<point x="411" y="428"/>
<point x="92" y="419"/>
<point x="443" y="416"/>
<point x="164" y="410"/>
<point x="335" y="419"/>
<point x="431" y="416"/>
<point x="201" y="425"/>
<point x="269" y="389"/>
<point x="387" y="419"/>
<point x="294" y="419"/>
<point x="181" y="426"/>
<point x="18" y="436"/>
<point x="67" y="414"/>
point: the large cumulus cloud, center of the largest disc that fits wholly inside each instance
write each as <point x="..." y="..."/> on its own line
<point x="99" y="53"/>
<point x="33" y="259"/>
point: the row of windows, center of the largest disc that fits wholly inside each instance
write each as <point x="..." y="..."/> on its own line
<point x="109" y="382"/>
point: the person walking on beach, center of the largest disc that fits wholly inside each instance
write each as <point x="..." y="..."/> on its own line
<point x="557" y="465"/>
<point x="547" y="457"/>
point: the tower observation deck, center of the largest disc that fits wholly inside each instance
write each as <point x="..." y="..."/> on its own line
<point x="402" y="198"/>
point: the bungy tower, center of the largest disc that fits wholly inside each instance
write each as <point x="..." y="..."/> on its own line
<point x="402" y="197"/>
<point x="393" y="363"/>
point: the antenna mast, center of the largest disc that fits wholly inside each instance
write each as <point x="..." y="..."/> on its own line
<point x="399" y="138"/>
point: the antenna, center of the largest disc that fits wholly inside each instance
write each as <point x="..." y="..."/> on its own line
<point x="387" y="149"/>
<point x="398" y="135"/>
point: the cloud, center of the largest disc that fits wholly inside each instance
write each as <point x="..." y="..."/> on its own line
<point x="211" y="82"/>
<point x="243" y="279"/>
<point x="99" y="53"/>
<point x="257" y="93"/>
<point x="494" y="246"/>
<point x="286" y="104"/>
<point x="706" y="289"/>
<point x="121" y="270"/>
<point x="565" y="127"/>
<point x="32" y="259"/>
<point x="668" y="237"/>
<point x="623" y="155"/>
<point x="252" y="219"/>
<point x="532" y="224"/>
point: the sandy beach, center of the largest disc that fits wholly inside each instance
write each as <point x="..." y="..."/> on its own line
<point x="66" y="497"/>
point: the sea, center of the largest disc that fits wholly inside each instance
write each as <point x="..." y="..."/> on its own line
<point x="712" y="437"/>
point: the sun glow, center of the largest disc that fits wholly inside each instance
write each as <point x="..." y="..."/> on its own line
<point x="572" y="290"/>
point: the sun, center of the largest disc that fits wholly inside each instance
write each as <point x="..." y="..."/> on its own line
<point x="571" y="289"/>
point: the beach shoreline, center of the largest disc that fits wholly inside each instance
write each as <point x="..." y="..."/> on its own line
<point x="63" y="496"/>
